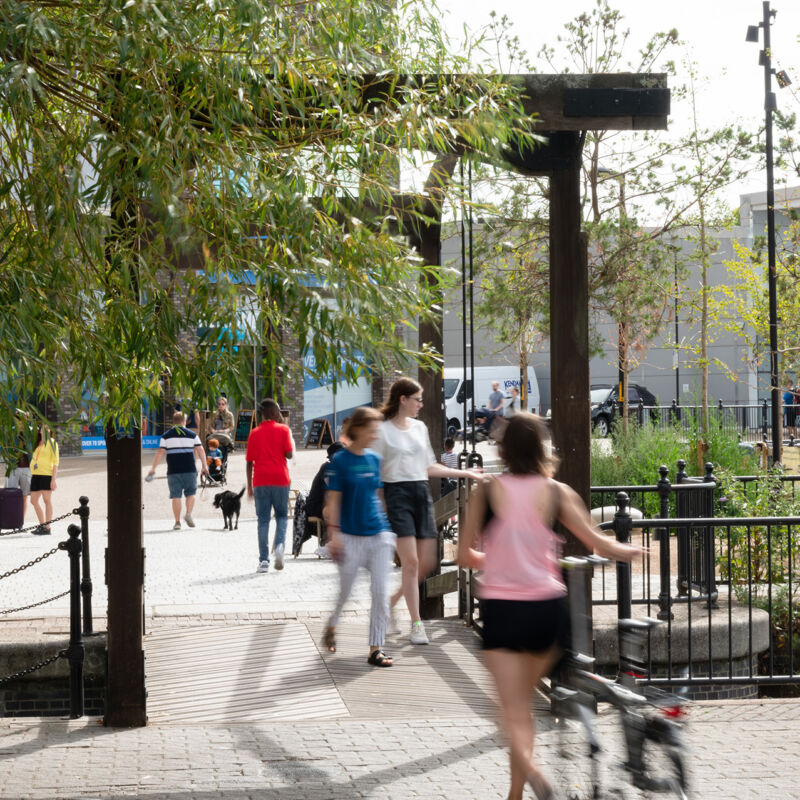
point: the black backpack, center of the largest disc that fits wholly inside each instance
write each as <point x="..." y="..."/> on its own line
<point x="299" y="524"/>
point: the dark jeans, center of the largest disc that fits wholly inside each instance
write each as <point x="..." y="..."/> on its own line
<point x="268" y="498"/>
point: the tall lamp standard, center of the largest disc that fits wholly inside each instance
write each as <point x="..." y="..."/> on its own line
<point x="770" y="104"/>
<point x="623" y="216"/>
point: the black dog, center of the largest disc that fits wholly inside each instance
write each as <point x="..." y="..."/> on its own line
<point x="230" y="503"/>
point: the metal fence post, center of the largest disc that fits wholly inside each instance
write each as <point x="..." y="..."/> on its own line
<point x="710" y="577"/>
<point x="764" y="417"/>
<point x="75" y="651"/>
<point x="622" y="529"/>
<point x="475" y="460"/>
<point x="86" y="578"/>
<point x="664" y="598"/>
<point x="640" y="410"/>
<point x="682" y="534"/>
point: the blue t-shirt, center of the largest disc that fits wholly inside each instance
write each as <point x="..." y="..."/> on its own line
<point x="358" y="478"/>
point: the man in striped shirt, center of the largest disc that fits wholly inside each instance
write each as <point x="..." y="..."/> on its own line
<point x="181" y="447"/>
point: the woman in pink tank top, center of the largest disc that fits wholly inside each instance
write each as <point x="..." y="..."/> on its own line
<point x="509" y="536"/>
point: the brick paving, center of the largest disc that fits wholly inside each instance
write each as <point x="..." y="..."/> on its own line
<point x="747" y="750"/>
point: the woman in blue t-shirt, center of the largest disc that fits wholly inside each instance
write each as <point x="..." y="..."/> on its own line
<point x="360" y="535"/>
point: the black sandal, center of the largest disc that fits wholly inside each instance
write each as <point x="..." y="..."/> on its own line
<point x="379" y="659"/>
<point x="329" y="640"/>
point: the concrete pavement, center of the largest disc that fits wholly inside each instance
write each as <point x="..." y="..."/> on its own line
<point x="206" y="577"/>
<point x="739" y="750"/>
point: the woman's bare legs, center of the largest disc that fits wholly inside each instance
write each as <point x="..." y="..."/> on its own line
<point x="516" y="676"/>
<point x="427" y="555"/>
<point x="409" y="579"/>
<point x="48" y="506"/>
<point x="36" y="498"/>
<point x="417" y="561"/>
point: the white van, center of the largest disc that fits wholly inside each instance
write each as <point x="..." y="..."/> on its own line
<point x="457" y="391"/>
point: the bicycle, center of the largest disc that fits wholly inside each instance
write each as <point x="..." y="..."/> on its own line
<point x="651" y="720"/>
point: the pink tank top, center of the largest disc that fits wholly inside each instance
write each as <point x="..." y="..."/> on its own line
<point x="521" y="550"/>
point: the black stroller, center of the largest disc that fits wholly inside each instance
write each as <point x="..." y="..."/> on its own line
<point x="217" y="468"/>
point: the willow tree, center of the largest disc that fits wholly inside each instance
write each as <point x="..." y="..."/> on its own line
<point x="238" y="138"/>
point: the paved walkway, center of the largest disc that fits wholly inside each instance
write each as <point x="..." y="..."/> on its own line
<point x="421" y="730"/>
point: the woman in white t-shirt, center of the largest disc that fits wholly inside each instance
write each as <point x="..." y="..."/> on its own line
<point x="408" y="463"/>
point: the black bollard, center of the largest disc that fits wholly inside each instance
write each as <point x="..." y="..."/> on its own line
<point x="664" y="599"/>
<point x="622" y="529"/>
<point x="709" y="556"/>
<point x="86" y="577"/>
<point x="75" y="651"/>
<point x="682" y="535"/>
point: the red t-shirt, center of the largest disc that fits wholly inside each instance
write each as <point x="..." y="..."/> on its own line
<point x="267" y="447"/>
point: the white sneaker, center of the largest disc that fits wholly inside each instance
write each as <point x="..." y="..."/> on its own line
<point x="189" y="520"/>
<point x="322" y="551"/>
<point x="418" y="635"/>
<point x="394" y="625"/>
<point x="278" y="557"/>
<point x="177" y="526"/>
<point x="263" y="566"/>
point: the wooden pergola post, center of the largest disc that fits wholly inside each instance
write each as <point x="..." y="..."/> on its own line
<point x="126" y="705"/>
<point x="569" y="322"/>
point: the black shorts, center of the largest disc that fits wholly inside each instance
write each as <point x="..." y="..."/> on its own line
<point x="410" y="509"/>
<point x="525" y="626"/>
<point x="40" y="483"/>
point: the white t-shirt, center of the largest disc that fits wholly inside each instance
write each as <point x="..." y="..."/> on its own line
<point x="406" y="454"/>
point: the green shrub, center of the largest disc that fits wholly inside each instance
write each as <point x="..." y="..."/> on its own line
<point x="633" y="457"/>
<point x="760" y="563"/>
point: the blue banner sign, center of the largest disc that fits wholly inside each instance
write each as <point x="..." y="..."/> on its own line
<point x="90" y="443"/>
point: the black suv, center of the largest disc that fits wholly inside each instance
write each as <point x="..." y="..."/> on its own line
<point x="604" y="407"/>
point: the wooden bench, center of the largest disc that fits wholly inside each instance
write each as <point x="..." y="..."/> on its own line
<point x="445" y="508"/>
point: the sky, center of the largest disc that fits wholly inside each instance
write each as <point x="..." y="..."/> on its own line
<point x="714" y="34"/>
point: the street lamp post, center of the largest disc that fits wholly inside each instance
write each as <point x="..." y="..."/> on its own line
<point x="621" y="332"/>
<point x="676" y="354"/>
<point x="765" y="58"/>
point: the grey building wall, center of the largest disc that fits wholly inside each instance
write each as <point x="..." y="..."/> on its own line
<point x="738" y="384"/>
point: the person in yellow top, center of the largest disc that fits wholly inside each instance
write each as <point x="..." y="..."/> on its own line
<point x="44" y="467"/>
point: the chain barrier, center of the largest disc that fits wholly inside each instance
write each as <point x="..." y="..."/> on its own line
<point x="33" y="605"/>
<point x="29" y="564"/>
<point x="28" y="670"/>
<point x="37" y="525"/>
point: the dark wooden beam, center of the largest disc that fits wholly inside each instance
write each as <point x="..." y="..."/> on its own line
<point x="561" y="102"/>
<point x="569" y="325"/>
<point x="587" y="102"/>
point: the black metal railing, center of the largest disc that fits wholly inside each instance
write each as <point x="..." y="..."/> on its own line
<point x="750" y="422"/>
<point x="740" y="626"/>
<point x="725" y="587"/>
<point x="684" y="497"/>
<point x="80" y="594"/>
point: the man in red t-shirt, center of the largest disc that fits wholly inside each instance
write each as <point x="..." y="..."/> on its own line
<point x="269" y="447"/>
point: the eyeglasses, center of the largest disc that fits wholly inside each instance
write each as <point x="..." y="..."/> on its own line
<point x="416" y="399"/>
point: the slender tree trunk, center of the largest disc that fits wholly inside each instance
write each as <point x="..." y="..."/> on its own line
<point x="622" y="363"/>
<point x="523" y="373"/>
<point x="703" y="324"/>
